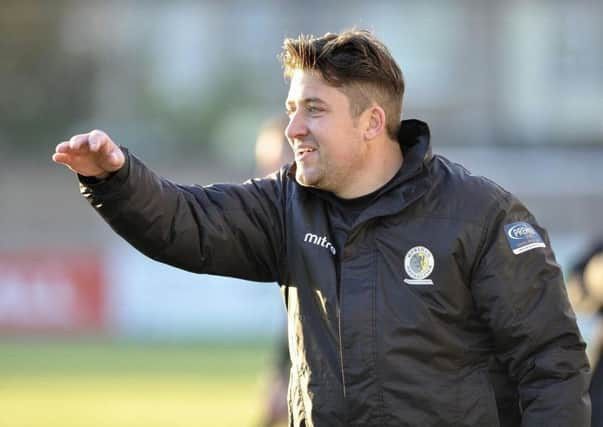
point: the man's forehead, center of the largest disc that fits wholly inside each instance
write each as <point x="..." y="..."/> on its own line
<point x="307" y="85"/>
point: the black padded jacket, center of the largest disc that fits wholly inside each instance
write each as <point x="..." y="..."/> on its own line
<point x="444" y="274"/>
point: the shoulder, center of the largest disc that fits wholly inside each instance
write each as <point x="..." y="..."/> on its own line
<point x="469" y="196"/>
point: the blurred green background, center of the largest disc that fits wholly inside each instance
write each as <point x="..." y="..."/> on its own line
<point x="93" y="384"/>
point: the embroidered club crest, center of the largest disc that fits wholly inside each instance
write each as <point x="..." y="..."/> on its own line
<point x="418" y="264"/>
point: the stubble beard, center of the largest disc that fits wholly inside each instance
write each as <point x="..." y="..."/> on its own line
<point x="309" y="177"/>
<point x="321" y="176"/>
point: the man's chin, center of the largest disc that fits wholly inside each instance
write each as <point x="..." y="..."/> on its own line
<point x="305" y="179"/>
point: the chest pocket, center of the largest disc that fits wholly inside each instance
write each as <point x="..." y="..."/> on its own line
<point x="426" y="263"/>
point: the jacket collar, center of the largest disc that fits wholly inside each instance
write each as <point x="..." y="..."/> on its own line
<point x="414" y="138"/>
<point x="412" y="180"/>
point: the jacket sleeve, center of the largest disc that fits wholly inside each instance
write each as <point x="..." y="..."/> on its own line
<point x="225" y="229"/>
<point x="521" y="295"/>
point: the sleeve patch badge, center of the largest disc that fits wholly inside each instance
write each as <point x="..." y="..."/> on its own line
<point x="522" y="237"/>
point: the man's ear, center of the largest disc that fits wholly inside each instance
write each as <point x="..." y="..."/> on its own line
<point x="375" y="123"/>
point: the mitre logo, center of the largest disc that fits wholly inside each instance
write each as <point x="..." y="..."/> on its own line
<point x="319" y="241"/>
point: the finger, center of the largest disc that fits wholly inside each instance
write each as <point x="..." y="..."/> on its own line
<point x="61" y="158"/>
<point x="106" y="146"/>
<point x="116" y="158"/>
<point x="66" y="160"/>
<point x="97" y="139"/>
<point x="77" y="142"/>
<point x="63" y="147"/>
<point x="110" y="160"/>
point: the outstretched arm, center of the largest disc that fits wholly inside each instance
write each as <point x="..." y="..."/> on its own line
<point x="225" y="229"/>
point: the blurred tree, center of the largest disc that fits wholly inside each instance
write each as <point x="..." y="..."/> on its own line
<point x="44" y="89"/>
<point x="193" y="126"/>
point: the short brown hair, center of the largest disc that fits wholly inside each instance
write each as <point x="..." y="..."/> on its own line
<point x="357" y="63"/>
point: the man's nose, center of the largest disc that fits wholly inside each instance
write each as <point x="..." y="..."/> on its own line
<point x="297" y="127"/>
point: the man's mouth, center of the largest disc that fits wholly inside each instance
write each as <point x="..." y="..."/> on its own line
<point x="303" y="152"/>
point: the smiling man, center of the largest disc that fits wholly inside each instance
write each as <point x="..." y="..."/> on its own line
<point x="321" y="116"/>
<point x="417" y="294"/>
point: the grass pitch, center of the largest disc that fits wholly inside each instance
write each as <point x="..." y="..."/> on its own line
<point x="91" y="384"/>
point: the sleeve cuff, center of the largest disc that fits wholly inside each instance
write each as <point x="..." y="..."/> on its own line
<point x="114" y="180"/>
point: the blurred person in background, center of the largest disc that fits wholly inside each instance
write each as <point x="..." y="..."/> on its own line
<point x="585" y="289"/>
<point x="272" y="151"/>
<point x="403" y="274"/>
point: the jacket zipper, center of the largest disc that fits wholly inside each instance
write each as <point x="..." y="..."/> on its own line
<point x="340" y="336"/>
<point x="341" y="349"/>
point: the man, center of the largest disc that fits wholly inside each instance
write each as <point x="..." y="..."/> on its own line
<point x="404" y="276"/>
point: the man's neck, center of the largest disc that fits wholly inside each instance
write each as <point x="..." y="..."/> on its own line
<point x="382" y="163"/>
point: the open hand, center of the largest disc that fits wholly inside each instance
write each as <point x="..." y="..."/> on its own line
<point x="90" y="154"/>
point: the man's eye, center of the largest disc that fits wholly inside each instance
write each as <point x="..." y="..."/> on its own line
<point x="312" y="109"/>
